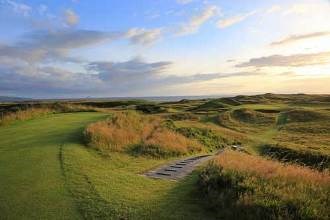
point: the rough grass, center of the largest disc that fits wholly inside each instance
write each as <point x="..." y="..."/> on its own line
<point x="23" y="114"/>
<point x="207" y="137"/>
<point x="254" y="117"/>
<point x="309" y="158"/>
<point x="241" y="186"/>
<point x="184" y="116"/>
<point x="211" y="105"/>
<point x="138" y="134"/>
<point x="303" y="136"/>
<point x="303" y="115"/>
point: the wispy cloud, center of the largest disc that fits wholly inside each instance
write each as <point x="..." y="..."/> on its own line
<point x="197" y="21"/>
<point x="273" y="9"/>
<point x="132" y="71"/>
<point x="70" y="17"/>
<point x="296" y="60"/>
<point x="43" y="46"/>
<point x="229" y="21"/>
<point x="143" y="36"/>
<point x="294" y="38"/>
<point x="19" y="8"/>
<point x="300" y="8"/>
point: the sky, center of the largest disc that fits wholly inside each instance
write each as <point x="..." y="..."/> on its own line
<point x="114" y="48"/>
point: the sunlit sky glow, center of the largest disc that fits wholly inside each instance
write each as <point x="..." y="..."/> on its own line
<point x="80" y="48"/>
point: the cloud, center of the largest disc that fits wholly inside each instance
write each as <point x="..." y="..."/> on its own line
<point x="198" y="20"/>
<point x="300" y="9"/>
<point x="229" y="21"/>
<point x="41" y="46"/>
<point x="143" y="36"/>
<point x="47" y="81"/>
<point x="70" y="17"/>
<point x="295" y="60"/>
<point x="273" y="9"/>
<point x="127" y="72"/>
<point x="133" y="75"/>
<point x="18" y="8"/>
<point x="184" y="2"/>
<point x="42" y="9"/>
<point x="294" y="38"/>
<point x="98" y="78"/>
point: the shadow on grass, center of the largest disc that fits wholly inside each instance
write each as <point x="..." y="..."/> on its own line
<point x="313" y="160"/>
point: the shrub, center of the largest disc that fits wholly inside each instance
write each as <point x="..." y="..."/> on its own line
<point x="241" y="186"/>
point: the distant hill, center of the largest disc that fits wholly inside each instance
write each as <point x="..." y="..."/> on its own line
<point x="13" y="99"/>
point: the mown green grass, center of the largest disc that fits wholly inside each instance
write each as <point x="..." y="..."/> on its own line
<point x="47" y="173"/>
<point x="125" y="192"/>
<point x="32" y="186"/>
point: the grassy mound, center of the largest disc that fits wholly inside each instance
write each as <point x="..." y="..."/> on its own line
<point x="250" y="116"/>
<point x="211" y="105"/>
<point x="130" y="131"/>
<point x="205" y="136"/>
<point x="303" y="137"/>
<point x="301" y="115"/>
<point x="184" y="116"/>
<point x="241" y="186"/>
<point x="151" y="108"/>
<point x="230" y="101"/>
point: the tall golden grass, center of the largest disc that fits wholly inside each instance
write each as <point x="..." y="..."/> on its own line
<point x="35" y="112"/>
<point x="126" y="129"/>
<point x="269" y="169"/>
<point x="22" y="115"/>
<point x="241" y="186"/>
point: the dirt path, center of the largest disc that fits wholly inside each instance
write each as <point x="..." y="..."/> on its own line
<point x="180" y="168"/>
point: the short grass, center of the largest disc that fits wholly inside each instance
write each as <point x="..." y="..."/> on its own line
<point x="113" y="188"/>
<point x="32" y="185"/>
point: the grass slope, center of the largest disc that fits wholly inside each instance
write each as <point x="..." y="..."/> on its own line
<point x="32" y="185"/>
<point x="46" y="173"/>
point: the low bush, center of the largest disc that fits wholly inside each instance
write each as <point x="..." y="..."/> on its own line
<point x="138" y="134"/>
<point x="241" y="186"/>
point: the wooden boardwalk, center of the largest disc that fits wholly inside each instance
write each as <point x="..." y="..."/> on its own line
<point x="178" y="169"/>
